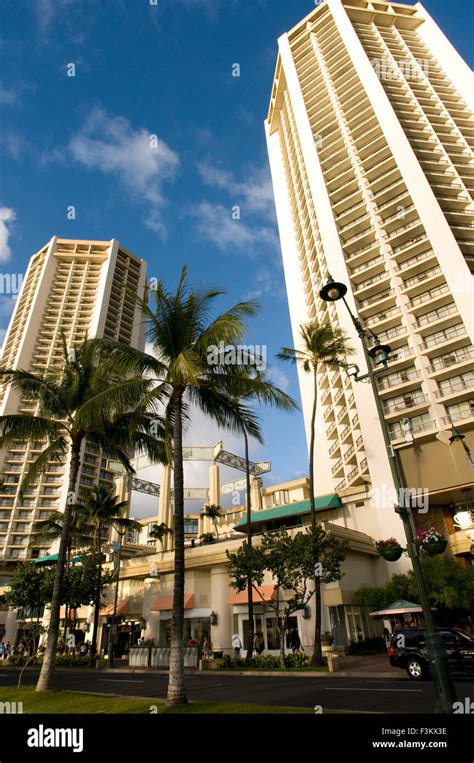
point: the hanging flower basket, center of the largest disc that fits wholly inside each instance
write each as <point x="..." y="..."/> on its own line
<point x="392" y="554"/>
<point x="389" y="549"/>
<point x="430" y="541"/>
<point x="434" y="549"/>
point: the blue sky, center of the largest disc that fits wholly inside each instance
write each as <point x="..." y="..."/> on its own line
<point x="82" y="141"/>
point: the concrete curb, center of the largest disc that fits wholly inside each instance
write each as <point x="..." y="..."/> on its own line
<point x="267" y="673"/>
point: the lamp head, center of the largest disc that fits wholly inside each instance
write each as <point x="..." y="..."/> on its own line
<point x="353" y="370"/>
<point x="333" y="291"/>
<point x="380" y="354"/>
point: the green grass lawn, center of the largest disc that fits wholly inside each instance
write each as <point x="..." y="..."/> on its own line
<point x="78" y="702"/>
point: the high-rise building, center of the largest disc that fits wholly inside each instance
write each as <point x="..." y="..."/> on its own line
<point x="75" y="289"/>
<point x="370" y="138"/>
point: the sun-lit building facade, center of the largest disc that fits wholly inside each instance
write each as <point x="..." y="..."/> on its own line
<point x="370" y="133"/>
<point x="72" y="289"/>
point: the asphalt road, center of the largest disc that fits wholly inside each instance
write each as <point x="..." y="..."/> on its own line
<point x="376" y="695"/>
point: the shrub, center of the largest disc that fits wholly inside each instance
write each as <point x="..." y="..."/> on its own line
<point x="62" y="660"/>
<point x="71" y="661"/>
<point x="297" y="660"/>
<point x="267" y="661"/>
<point x="231" y="663"/>
<point x="18" y="660"/>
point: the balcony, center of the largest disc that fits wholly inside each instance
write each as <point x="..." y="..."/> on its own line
<point x="429" y="296"/>
<point x="414" y="262"/>
<point x="335" y="447"/>
<point x="459" y="417"/>
<point x="373" y="262"/>
<point x="349" y="455"/>
<point x="409" y="401"/>
<point x="338" y="469"/>
<point x="419" y="425"/>
<point x="452" y="334"/>
<point x="414" y="242"/>
<point x="459" y="387"/>
<point x="400" y="378"/>
<point x="421" y="277"/>
<point x="446" y="362"/>
<point x="370" y="282"/>
<point x="378" y="297"/>
<point x="441" y="314"/>
<point x="382" y="317"/>
<point x="329" y="414"/>
<point x="392" y="334"/>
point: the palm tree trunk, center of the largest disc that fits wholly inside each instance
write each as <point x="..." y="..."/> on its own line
<point x="251" y="635"/>
<point x="95" y="626"/>
<point x="45" y="680"/>
<point x="317" y="657"/>
<point x="176" y="688"/>
<point x="66" y="606"/>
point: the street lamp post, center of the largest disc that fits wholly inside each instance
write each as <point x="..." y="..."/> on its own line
<point x="117" y="548"/>
<point x="379" y="354"/>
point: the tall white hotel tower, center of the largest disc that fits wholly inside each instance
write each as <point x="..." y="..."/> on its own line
<point x="77" y="288"/>
<point x="370" y="138"/>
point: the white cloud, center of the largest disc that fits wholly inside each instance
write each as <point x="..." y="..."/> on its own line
<point x="268" y="281"/>
<point x="140" y="160"/>
<point x="278" y="377"/>
<point x="214" y="223"/>
<point x="7" y="96"/>
<point x="256" y="191"/>
<point x="7" y="216"/>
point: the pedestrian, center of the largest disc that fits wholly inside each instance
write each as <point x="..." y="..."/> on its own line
<point x="259" y="644"/>
<point x="205" y="648"/>
<point x="295" y="642"/>
<point x="2" y="650"/>
<point x="83" y="649"/>
<point x="237" y="644"/>
<point x="386" y="638"/>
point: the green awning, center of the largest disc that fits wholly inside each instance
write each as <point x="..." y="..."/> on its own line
<point x="53" y="559"/>
<point x="331" y="501"/>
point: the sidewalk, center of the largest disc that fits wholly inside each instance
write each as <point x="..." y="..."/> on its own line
<point x="369" y="666"/>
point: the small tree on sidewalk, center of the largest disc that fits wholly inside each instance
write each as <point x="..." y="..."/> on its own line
<point x="290" y="561"/>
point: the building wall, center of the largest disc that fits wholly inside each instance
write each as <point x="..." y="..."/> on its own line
<point x="79" y="289"/>
<point x="370" y="149"/>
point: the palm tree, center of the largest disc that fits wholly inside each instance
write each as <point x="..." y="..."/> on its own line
<point x="101" y="510"/>
<point x="246" y="387"/>
<point x="48" y="530"/>
<point x="183" y="335"/>
<point x="159" y="533"/>
<point x="322" y="346"/>
<point x="88" y="397"/>
<point x="213" y="513"/>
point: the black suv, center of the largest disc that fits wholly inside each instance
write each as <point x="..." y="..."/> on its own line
<point x="408" y="651"/>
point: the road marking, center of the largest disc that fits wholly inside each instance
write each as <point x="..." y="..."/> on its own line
<point x="350" y="688"/>
<point x="122" y="680"/>
<point x="378" y="680"/>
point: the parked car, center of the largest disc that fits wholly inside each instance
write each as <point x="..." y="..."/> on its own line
<point x="408" y="651"/>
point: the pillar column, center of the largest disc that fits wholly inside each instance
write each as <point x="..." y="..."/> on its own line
<point x="151" y="591"/>
<point x="221" y="634"/>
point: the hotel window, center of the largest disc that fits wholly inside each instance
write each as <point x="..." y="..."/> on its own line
<point x="281" y="497"/>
